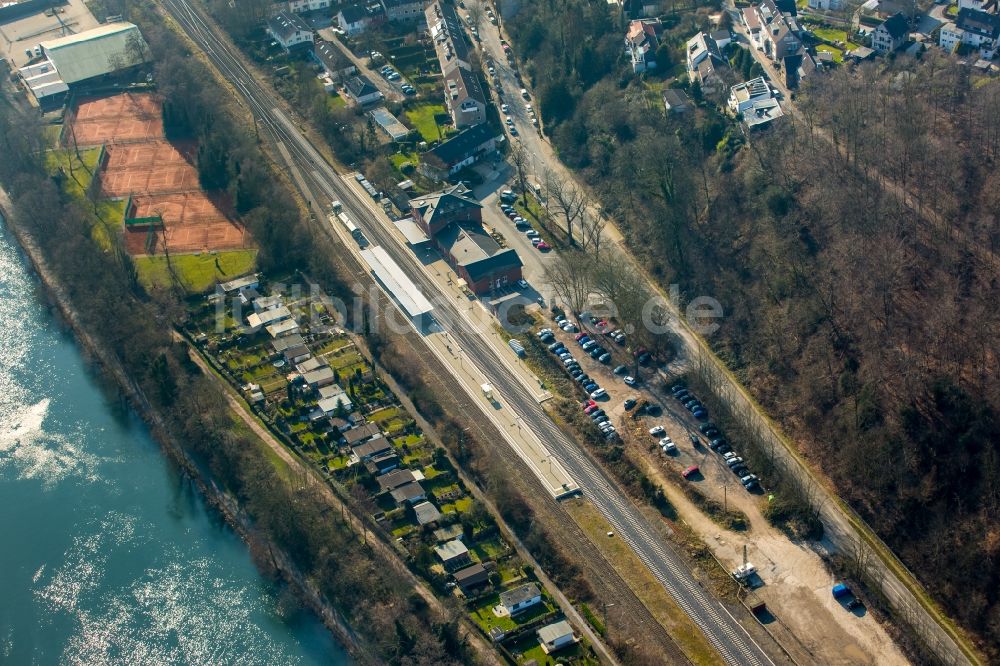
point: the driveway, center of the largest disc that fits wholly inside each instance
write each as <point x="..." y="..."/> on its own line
<point x="389" y="91"/>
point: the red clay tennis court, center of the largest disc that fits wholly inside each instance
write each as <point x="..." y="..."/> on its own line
<point x="191" y="223"/>
<point x="152" y="166"/>
<point x="156" y="176"/>
<point x="125" y="117"/>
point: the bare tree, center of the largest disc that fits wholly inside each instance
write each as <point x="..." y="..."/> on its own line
<point x="519" y="160"/>
<point x="476" y="13"/>
<point x="592" y="224"/>
<point x="569" y="276"/>
<point x="565" y="199"/>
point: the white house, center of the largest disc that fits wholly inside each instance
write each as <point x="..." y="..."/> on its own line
<point x="891" y="34"/>
<point x="742" y="96"/>
<point x="555" y="636"/>
<point x="303" y="6"/>
<point x="520" y="598"/>
<point x="290" y="31"/>
<point x="363" y="90"/>
<point x="403" y="10"/>
<point x="977" y="29"/>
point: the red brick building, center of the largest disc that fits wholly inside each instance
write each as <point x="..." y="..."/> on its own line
<point x="453" y="220"/>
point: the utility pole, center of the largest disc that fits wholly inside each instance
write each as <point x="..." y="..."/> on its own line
<point x="607" y="627"/>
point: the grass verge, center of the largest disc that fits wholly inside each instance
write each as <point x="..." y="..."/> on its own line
<point x="639" y="579"/>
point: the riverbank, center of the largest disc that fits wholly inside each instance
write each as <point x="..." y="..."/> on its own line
<point x="215" y="497"/>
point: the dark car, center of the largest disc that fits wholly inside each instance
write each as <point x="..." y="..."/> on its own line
<point x="629" y="404"/>
<point x="597" y="413"/>
<point x="556" y="346"/>
<point x="700" y="414"/>
<point x="677" y="388"/>
<point x="591" y="387"/>
<point x="584" y="378"/>
<point x="683" y="395"/>
<point x="620" y="370"/>
<point x="705" y="427"/>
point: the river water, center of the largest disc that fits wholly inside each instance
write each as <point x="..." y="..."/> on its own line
<point x="107" y="555"/>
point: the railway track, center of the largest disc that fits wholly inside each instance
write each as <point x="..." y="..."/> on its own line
<point x="726" y="635"/>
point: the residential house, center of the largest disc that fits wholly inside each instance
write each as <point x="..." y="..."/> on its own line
<point x="373" y="448"/>
<point x="382" y="463"/>
<point x="637" y="9"/>
<point x="297" y="354"/>
<point x="290" y="31"/>
<point x="309" y="365"/>
<point x="303" y="6"/>
<point x="333" y="397"/>
<point x="284" y="327"/>
<point x="248" y="297"/>
<point x="471" y="577"/>
<point x="826" y="5"/>
<point x="355" y="19"/>
<point x="409" y="493"/>
<point x="453" y="221"/>
<point x="988" y="6"/>
<point x="403" y="10"/>
<point x="319" y="377"/>
<point x="362" y="433"/>
<point x="464" y="149"/>
<point x="555" y="636"/>
<point x="463" y="94"/>
<point x="675" y="100"/>
<point x="262" y="303"/>
<point x="752" y="24"/>
<point x="722" y="38"/>
<point x="393" y="480"/>
<point x="334" y="62"/>
<point x="464" y="97"/>
<point x="362" y="90"/>
<point x="453" y="554"/>
<point x="426" y="513"/>
<point x="521" y="598"/>
<point x="256" y="320"/>
<point x="891" y="34"/>
<point x="754" y="102"/>
<point x="240" y="283"/>
<point x="974" y="28"/>
<point x="641" y="42"/>
<point x="339" y="424"/>
<point x="703" y="62"/>
<point x="287" y="342"/>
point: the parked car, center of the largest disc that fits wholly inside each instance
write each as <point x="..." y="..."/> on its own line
<point x="620" y="370"/>
<point x="630" y="380"/>
<point x="583" y="379"/>
<point x="690" y="471"/>
<point x="591" y="386"/>
<point x="629" y="404"/>
<point x="544" y="247"/>
<point x="524" y="93"/>
<point x="555" y="346"/>
<point x="604" y="358"/>
<point x="657" y="431"/>
<point x="734" y="462"/>
<point x="597" y="412"/>
<point x="667" y="445"/>
<point x="598" y="394"/>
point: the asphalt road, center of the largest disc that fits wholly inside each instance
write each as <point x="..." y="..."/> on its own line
<point x="721" y="629"/>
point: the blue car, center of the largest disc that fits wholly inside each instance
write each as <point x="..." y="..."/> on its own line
<point x="591" y="387"/>
<point x="701" y="414"/>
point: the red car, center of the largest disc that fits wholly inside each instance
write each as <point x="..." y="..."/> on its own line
<point x="693" y="469"/>
<point x="589" y="409"/>
<point x="589" y="405"/>
<point x="544" y="247"/>
<point x="580" y="335"/>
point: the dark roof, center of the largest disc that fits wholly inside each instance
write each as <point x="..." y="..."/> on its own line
<point x="408" y="492"/>
<point x="786" y="6"/>
<point x="360" y="86"/>
<point x="372" y="447"/>
<point x="676" y="99"/>
<point x="395" y="479"/>
<point x="466" y="85"/>
<point x="471" y="576"/>
<point x="353" y="13"/>
<point x="399" y="3"/>
<point x="463" y="144"/>
<point x="519" y="595"/>
<point x="332" y="58"/>
<point x="896" y="26"/>
<point x="361" y="433"/>
<point x="451" y="33"/>
<point x="382" y="462"/>
<point x="981" y="23"/>
<point x="286" y="24"/>
<point x="444" y="202"/>
<point x="502" y="260"/>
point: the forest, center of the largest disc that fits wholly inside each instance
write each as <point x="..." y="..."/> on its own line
<point x="853" y="247"/>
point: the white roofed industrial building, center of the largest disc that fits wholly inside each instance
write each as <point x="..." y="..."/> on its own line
<point x="96" y="52"/>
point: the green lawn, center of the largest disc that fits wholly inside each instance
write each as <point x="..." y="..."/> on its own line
<point x="422" y="118"/>
<point x="335" y="102"/>
<point x="484" y="617"/>
<point x="838" y="55"/>
<point x="833" y="35"/>
<point x="197" y="272"/>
